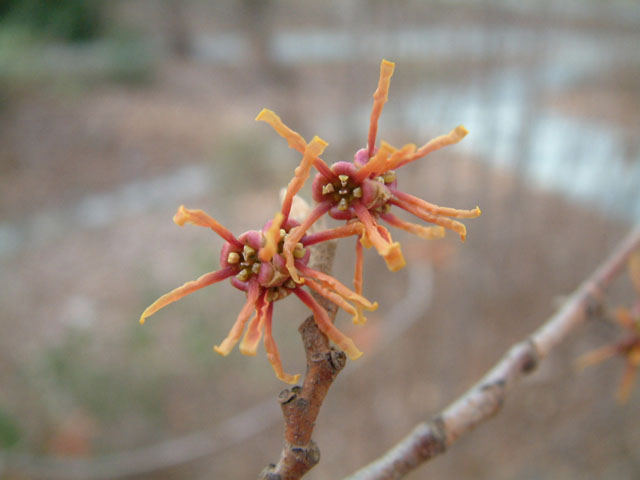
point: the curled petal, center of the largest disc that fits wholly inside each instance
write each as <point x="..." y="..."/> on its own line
<point x="326" y="326"/>
<point x="202" y="219"/>
<point x="445" y="222"/>
<point x="380" y="97"/>
<point x="294" y="139"/>
<point x="272" y="350"/>
<point x="376" y="163"/>
<point x="186" y="289"/>
<point x="454" y="136"/>
<point x="236" y="331"/>
<point x="253" y="335"/>
<point x="337" y="299"/>
<point x="428" y="233"/>
<point x="302" y="171"/>
<point x="379" y="237"/>
<point x="336" y="286"/>
<point x="626" y="384"/>
<point x="435" y="209"/>
<point x="272" y="238"/>
<point x="353" y="228"/>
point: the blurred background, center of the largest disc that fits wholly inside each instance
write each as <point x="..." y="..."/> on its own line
<point x="114" y="113"/>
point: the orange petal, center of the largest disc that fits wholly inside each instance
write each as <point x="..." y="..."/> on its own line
<point x="390" y="251"/>
<point x="376" y="164"/>
<point x="596" y="356"/>
<point x="302" y="171"/>
<point x="253" y="335"/>
<point x="272" y="350"/>
<point x="272" y="238"/>
<point x="380" y="97"/>
<point x="294" y="139"/>
<point x="186" y="289"/>
<point x="353" y="228"/>
<point x="626" y="384"/>
<point x="435" y="209"/>
<point x="202" y="219"/>
<point x="454" y="136"/>
<point x="236" y="331"/>
<point x="296" y="234"/>
<point x="337" y="299"/>
<point x="335" y="285"/>
<point x="326" y="326"/>
<point x="445" y="222"/>
<point x="428" y="233"/>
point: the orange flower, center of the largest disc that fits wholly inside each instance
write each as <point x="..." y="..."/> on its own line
<point x="255" y="263"/>
<point x="366" y="189"/>
<point x="628" y="347"/>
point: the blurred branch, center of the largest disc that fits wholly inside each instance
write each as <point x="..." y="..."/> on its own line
<point x="484" y="400"/>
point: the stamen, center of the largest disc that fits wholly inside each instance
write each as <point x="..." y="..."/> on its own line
<point x="248" y="252"/>
<point x="343" y="204"/>
<point x="243" y="275"/>
<point x="343" y="180"/>
<point x="357" y="192"/>
<point x="328" y="188"/>
<point x="233" y="258"/>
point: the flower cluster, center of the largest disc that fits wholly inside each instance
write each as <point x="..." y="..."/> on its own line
<point x="272" y="263"/>
<point x="629" y="346"/>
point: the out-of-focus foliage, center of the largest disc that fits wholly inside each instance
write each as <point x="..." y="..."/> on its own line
<point x="69" y="20"/>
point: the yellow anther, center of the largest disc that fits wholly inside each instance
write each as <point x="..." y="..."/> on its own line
<point x="243" y="276"/>
<point x="328" y="188"/>
<point x="299" y="251"/>
<point x="389" y="176"/>
<point x="248" y="252"/>
<point x="343" y="179"/>
<point x="255" y="268"/>
<point x="233" y="257"/>
<point x="357" y="192"/>
<point x="343" y="205"/>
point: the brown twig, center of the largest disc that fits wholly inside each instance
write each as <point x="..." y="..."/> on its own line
<point x="301" y="405"/>
<point x="484" y="400"/>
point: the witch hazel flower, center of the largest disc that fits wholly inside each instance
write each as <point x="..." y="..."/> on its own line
<point x="255" y="264"/>
<point x="364" y="190"/>
<point x="629" y="346"/>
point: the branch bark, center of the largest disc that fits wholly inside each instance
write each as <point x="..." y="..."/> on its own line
<point x="301" y="405"/>
<point x="485" y="398"/>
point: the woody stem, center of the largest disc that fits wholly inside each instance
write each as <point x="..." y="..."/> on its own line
<point x="301" y="405"/>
